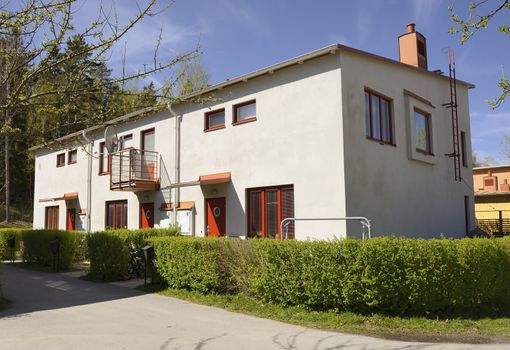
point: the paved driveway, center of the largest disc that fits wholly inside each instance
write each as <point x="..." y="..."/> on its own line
<point x="55" y="311"/>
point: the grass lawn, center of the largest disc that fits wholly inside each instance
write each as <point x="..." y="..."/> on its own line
<point x="477" y="329"/>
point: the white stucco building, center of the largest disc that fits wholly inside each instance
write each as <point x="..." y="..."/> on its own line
<point x="337" y="132"/>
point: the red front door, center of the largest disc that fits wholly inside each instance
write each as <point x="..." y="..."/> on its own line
<point x="71" y="219"/>
<point x="215" y="219"/>
<point x="146" y="215"/>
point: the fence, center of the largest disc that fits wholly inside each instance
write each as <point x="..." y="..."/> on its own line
<point x="497" y="226"/>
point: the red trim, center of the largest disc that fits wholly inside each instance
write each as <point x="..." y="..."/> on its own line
<point x="116" y="204"/>
<point x="51" y="217"/>
<point x="69" y="161"/>
<point x="207" y="116"/>
<point x="61" y="162"/>
<point x="101" y="157"/>
<point x="389" y="127"/>
<point x="142" y="137"/>
<point x="235" y="108"/>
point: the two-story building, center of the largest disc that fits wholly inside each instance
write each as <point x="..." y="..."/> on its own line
<point x="334" y="133"/>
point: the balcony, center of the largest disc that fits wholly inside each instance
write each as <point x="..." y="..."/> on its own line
<point x="134" y="170"/>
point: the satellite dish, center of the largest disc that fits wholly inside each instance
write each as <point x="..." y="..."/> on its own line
<point x="111" y="140"/>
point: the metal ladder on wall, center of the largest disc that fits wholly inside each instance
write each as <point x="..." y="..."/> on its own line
<point x="455" y="118"/>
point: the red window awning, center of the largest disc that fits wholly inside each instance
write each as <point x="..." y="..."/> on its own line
<point x="182" y="206"/>
<point x="214" y="179"/>
<point x="70" y="196"/>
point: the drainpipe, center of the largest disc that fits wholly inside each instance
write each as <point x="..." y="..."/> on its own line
<point x="177" y="136"/>
<point x="89" y="180"/>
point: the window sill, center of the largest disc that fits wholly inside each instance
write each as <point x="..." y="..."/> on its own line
<point x="427" y="153"/>
<point x="104" y="173"/>
<point x="60" y="165"/>
<point x="382" y="143"/>
<point x="71" y="163"/>
<point x="218" y="127"/>
<point x="244" y="121"/>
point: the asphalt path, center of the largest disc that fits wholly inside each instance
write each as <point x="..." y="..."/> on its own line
<point x="58" y="311"/>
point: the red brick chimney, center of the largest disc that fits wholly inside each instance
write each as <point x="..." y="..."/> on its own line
<point x="413" y="47"/>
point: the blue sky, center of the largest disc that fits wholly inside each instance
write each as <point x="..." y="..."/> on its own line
<point x="239" y="36"/>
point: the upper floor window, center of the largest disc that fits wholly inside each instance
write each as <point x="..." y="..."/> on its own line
<point x="245" y="112"/>
<point x="126" y="141"/>
<point x="104" y="160"/>
<point x="214" y="120"/>
<point x="72" y="157"/>
<point x="148" y="140"/>
<point x="463" y="149"/>
<point x="61" y="159"/>
<point x="422" y="139"/>
<point x="378" y="123"/>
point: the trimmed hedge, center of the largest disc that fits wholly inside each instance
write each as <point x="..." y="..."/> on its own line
<point x="5" y="234"/>
<point x="36" y="247"/>
<point x="110" y="251"/>
<point x="397" y="276"/>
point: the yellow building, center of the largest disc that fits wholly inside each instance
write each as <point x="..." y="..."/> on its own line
<point x="492" y="197"/>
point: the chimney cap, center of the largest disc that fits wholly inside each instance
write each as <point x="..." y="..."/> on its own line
<point x="411" y="27"/>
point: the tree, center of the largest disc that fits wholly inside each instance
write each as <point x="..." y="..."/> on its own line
<point x="33" y="34"/>
<point x="477" y="162"/>
<point x="467" y="27"/>
<point x="190" y="76"/>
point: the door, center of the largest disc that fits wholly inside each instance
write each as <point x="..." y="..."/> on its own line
<point x="148" y="161"/>
<point x="146" y="215"/>
<point x="71" y="219"/>
<point x="215" y="218"/>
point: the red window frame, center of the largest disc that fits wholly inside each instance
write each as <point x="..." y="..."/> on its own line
<point x="69" y="161"/>
<point x="207" y="116"/>
<point x="142" y="137"/>
<point x="262" y="223"/>
<point x="61" y="160"/>
<point x="51" y="217"/>
<point x="427" y="151"/>
<point x="235" y="108"/>
<point x="124" y="138"/>
<point x="117" y="205"/>
<point x="371" y="135"/>
<point x="102" y="149"/>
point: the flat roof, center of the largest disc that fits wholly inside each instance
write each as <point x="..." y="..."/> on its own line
<point x="488" y="167"/>
<point x="331" y="49"/>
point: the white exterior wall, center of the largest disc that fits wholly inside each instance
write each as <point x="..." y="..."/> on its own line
<point x="309" y="133"/>
<point x="403" y="192"/>
<point x="296" y="140"/>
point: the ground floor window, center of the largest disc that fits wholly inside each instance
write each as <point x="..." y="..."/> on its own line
<point x="51" y="218"/>
<point x="116" y="214"/>
<point x="267" y="207"/>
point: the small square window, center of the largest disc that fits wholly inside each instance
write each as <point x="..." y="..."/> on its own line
<point x="126" y="141"/>
<point x="214" y="120"/>
<point x="245" y="112"/>
<point x="61" y="159"/>
<point x="72" y="157"/>
<point x="422" y="137"/>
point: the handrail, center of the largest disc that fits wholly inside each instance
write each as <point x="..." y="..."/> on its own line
<point x="363" y="220"/>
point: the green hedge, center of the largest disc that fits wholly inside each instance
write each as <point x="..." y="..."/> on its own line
<point x="36" y="247"/>
<point x="110" y="251"/>
<point x="398" y="276"/>
<point x="5" y="234"/>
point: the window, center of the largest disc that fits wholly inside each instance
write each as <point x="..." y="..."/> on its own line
<point x="61" y="159"/>
<point x="51" y="218"/>
<point x="72" y="157"/>
<point x="245" y="112"/>
<point x="126" y="141"/>
<point x="422" y="140"/>
<point x="214" y="120"/>
<point x="104" y="160"/>
<point x="378" y="123"/>
<point x="148" y="140"/>
<point x="116" y="215"/>
<point x="463" y="149"/>
<point x="267" y="207"/>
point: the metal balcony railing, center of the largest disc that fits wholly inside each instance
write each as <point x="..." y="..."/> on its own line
<point x="134" y="169"/>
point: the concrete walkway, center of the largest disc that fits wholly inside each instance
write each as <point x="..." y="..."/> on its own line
<point x="57" y="311"/>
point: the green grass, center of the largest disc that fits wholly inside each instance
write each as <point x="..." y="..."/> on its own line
<point x="476" y="329"/>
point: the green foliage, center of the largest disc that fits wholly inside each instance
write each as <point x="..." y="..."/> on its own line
<point x="396" y="276"/>
<point x="5" y="234"/>
<point x="36" y="247"/>
<point x="110" y="251"/>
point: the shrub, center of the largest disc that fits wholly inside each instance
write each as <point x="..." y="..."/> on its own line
<point x="398" y="276"/>
<point x="5" y="234"/>
<point x="36" y="247"/>
<point x="110" y="251"/>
